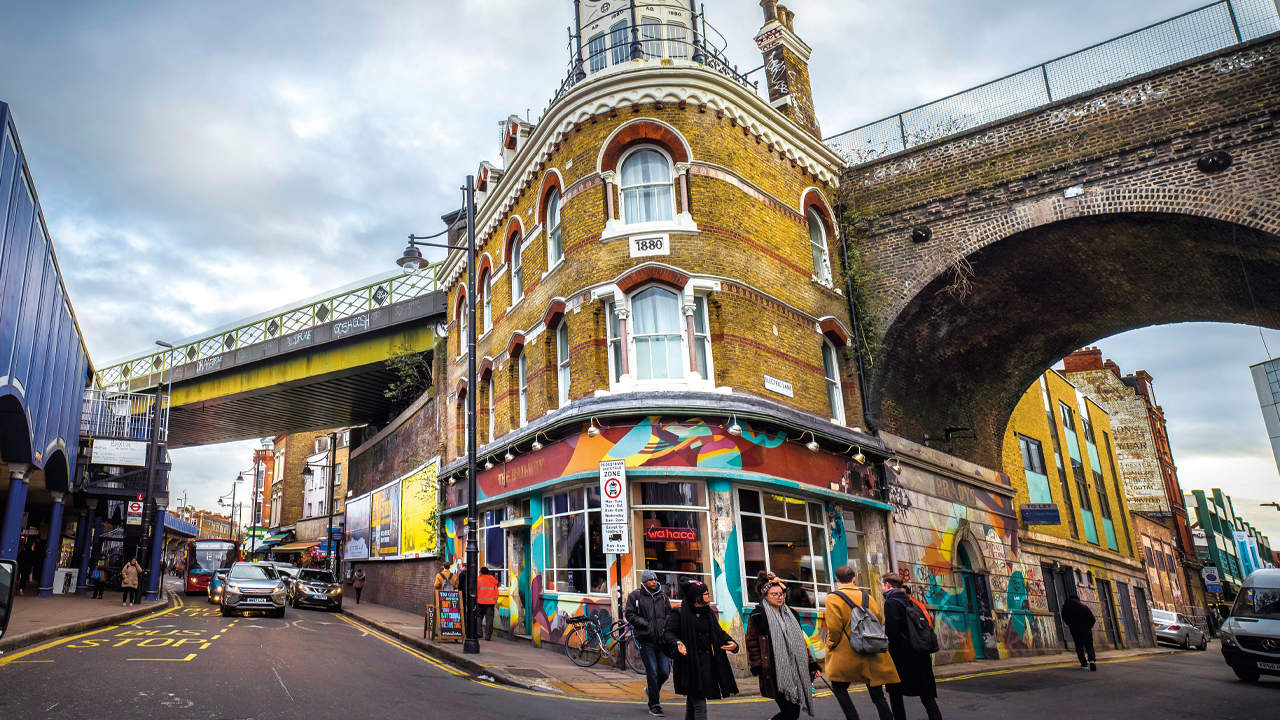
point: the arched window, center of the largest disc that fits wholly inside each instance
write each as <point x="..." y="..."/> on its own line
<point x="657" y="334"/>
<point x="818" y="245"/>
<point x="562" y="362"/>
<point x="517" y="271"/>
<point x="522" y="383"/>
<point x="831" y="368"/>
<point x="554" y="250"/>
<point x="463" y="312"/>
<point x="647" y="194"/>
<point x="491" y="416"/>
<point x="486" y="300"/>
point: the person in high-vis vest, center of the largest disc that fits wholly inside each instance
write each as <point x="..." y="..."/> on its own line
<point x="486" y="599"/>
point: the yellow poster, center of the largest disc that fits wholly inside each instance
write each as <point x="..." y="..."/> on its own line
<point x="418" y="506"/>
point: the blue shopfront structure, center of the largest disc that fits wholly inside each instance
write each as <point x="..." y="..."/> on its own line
<point x="44" y="369"/>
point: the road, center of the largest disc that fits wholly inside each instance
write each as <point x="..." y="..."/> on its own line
<point x="189" y="662"/>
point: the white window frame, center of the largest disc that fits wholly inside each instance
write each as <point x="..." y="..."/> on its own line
<point x="651" y="40"/>
<point x="551" y="566"/>
<point x="492" y="419"/>
<point x="464" y="309"/>
<point x="821" y="270"/>
<point x="562" y="362"/>
<point x="598" y="52"/>
<point x="670" y="186"/>
<point x="677" y="41"/>
<point x="634" y="335"/>
<point x="818" y="589"/>
<point x="695" y="294"/>
<point x="555" y="248"/>
<point x="517" y="270"/>
<point x="700" y="310"/>
<point x="619" y="42"/>
<point x="486" y="287"/>
<point x="522" y="383"/>
<point x="835" y="389"/>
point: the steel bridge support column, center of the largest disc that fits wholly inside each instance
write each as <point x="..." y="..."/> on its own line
<point x="52" y="547"/>
<point x="11" y="526"/>
<point x="90" y="520"/>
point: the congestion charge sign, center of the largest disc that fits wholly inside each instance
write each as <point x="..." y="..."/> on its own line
<point x="613" y="506"/>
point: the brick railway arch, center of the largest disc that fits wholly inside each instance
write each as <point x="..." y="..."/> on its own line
<point x="1048" y="280"/>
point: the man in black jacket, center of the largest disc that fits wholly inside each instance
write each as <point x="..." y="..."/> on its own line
<point x="647" y="609"/>
<point x="1079" y="620"/>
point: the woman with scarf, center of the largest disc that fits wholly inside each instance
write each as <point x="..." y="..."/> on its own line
<point x="778" y="651"/>
<point x="697" y="646"/>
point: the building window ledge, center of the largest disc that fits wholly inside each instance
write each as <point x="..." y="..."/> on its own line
<point x="615" y="229"/>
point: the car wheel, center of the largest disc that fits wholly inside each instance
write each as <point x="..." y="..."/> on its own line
<point x="1186" y="642"/>
<point x="1249" y="676"/>
<point x="226" y="612"/>
<point x="279" y="612"/>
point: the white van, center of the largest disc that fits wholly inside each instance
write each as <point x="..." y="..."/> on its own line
<point x="1251" y="636"/>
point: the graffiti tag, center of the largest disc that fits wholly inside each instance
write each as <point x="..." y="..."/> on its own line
<point x="350" y="325"/>
<point x="301" y="337"/>
<point x="901" y="502"/>
<point x="208" y="364"/>
<point x="1127" y="97"/>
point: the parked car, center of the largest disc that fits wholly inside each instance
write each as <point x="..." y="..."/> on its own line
<point x="288" y="572"/>
<point x="215" y="585"/>
<point x="251" y="586"/>
<point x="1177" y="630"/>
<point x="1251" y="636"/>
<point x="317" y="588"/>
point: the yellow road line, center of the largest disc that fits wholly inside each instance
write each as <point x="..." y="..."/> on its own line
<point x="188" y="658"/>
<point x="18" y="662"/>
<point x="395" y="643"/>
<point x="40" y="648"/>
<point x="1050" y="666"/>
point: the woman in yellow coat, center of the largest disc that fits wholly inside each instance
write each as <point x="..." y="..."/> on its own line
<point x="844" y="666"/>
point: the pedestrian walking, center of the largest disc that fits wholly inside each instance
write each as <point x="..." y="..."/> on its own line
<point x="778" y="651"/>
<point x="98" y="576"/>
<point x="129" y="581"/>
<point x="486" y="600"/>
<point x="697" y="646"/>
<point x="911" y="645"/>
<point x="646" y="610"/>
<point x="357" y="583"/>
<point x="1079" y="620"/>
<point x="445" y="579"/>
<point x="844" y="664"/>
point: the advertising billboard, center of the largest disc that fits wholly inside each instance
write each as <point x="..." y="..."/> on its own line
<point x="358" y="528"/>
<point x="384" y="521"/>
<point x="418" y="510"/>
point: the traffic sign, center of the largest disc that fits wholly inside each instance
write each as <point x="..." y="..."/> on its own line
<point x="135" y="513"/>
<point x="613" y="507"/>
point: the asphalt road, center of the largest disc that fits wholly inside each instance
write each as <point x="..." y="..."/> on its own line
<point x="189" y="662"/>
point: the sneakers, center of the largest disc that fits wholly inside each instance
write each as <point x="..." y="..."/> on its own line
<point x="656" y="711"/>
<point x="1093" y="667"/>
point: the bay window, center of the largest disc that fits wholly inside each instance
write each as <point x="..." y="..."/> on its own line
<point x="788" y="537"/>
<point x="667" y="337"/>
<point x="575" y="560"/>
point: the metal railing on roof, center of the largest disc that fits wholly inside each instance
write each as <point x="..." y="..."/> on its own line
<point x="121" y="415"/>
<point x="1184" y="37"/>
<point x="672" y="41"/>
<point x="155" y="365"/>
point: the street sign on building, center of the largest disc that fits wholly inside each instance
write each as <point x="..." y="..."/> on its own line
<point x="613" y="506"/>
<point x="1040" y="514"/>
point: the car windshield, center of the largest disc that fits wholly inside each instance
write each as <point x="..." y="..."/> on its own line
<point x="287" y="571"/>
<point x="1263" y="603"/>
<point x="319" y="576"/>
<point x="251" y="572"/>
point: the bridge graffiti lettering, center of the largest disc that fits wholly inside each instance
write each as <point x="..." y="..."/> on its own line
<point x="208" y="364"/>
<point x="350" y="325"/>
<point x="301" y="337"/>
<point x="1127" y="97"/>
<point x="1244" y="60"/>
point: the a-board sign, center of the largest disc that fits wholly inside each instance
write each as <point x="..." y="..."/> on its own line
<point x="449" y="623"/>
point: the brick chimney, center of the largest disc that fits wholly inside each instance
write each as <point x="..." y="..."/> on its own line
<point x="786" y="66"/>
<point x="1112" y="366"/>
<point x="1089" y="358"/>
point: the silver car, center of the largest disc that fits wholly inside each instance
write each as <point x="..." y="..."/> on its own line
<point x="251" y="586"/>
<point x="1178" y="630"/>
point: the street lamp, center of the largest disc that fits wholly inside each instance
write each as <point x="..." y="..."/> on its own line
<point x="411" y="261"/>
<point x="232" y="506"/>
<point x="307" y="474"/>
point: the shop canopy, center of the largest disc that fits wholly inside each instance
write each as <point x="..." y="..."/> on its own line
<point x="295" y="547"/>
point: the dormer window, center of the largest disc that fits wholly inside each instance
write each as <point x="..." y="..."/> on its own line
<point x="647" y="194"/>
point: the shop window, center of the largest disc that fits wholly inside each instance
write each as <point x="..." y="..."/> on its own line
<point x="575" y="561"/>
<point x="555" y="251"/>
<point x="493" y="543"/>
<point x="788" y="537"/>
<point x="818" y="246"/>
<point x="522" y="378"/>
<point x="671" y="518"/>
<point x="831" y="368"/>
<point x="562" y="362"/>
<point x="647" y="191"/>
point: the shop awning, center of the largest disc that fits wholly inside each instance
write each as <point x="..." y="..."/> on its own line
<point x="295" y="547"/>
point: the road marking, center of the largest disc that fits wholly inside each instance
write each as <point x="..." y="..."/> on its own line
<point x="18" y="662"/>
<point x="281" y="681"/>
<point x="39" y="648"/>
<point x="188" y="658"/>
<point x="395" y="643"/>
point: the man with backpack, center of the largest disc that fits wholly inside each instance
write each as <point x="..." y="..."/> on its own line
<point x="912" y="643"/>
<point x="856" y="645"/>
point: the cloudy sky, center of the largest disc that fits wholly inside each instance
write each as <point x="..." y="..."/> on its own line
<point x="201" y="162"/>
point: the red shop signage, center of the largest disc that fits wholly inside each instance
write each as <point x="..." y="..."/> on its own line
<point x="667" y="534"/>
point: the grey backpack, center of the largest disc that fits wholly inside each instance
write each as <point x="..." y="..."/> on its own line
<point x="866" y="634"/>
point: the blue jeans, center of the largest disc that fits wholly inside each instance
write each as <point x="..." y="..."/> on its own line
<point x="657" y="668"/>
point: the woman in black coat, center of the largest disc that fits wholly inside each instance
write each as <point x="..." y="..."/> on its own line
<point x="915" y="668"/>
<point x="697" y="646"/>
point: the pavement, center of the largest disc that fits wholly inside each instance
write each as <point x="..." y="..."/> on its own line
<point x="186" y="661"/>
<point x="519" y="664"/>
<point x="37" y="619"/>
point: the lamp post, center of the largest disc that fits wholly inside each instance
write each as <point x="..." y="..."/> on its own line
<point x="307" y="474"/>
<point x="231" y="508"/>
<point x="411" y="261"/>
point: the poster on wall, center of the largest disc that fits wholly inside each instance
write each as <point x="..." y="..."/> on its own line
<point x="384" y="521"/>
<point x="418" y="505"/>
<point x="357" y="512"/>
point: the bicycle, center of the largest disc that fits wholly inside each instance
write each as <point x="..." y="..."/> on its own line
<point x="585" y="643"/>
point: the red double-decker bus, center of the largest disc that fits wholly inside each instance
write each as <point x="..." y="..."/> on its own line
<point x="203" y="556"/>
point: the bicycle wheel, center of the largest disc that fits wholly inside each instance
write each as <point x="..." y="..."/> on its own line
<point x="632" y="652"/>
<point x="582" y="645"/>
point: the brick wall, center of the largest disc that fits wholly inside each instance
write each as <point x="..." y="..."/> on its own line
<point x="402" y="584"/>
